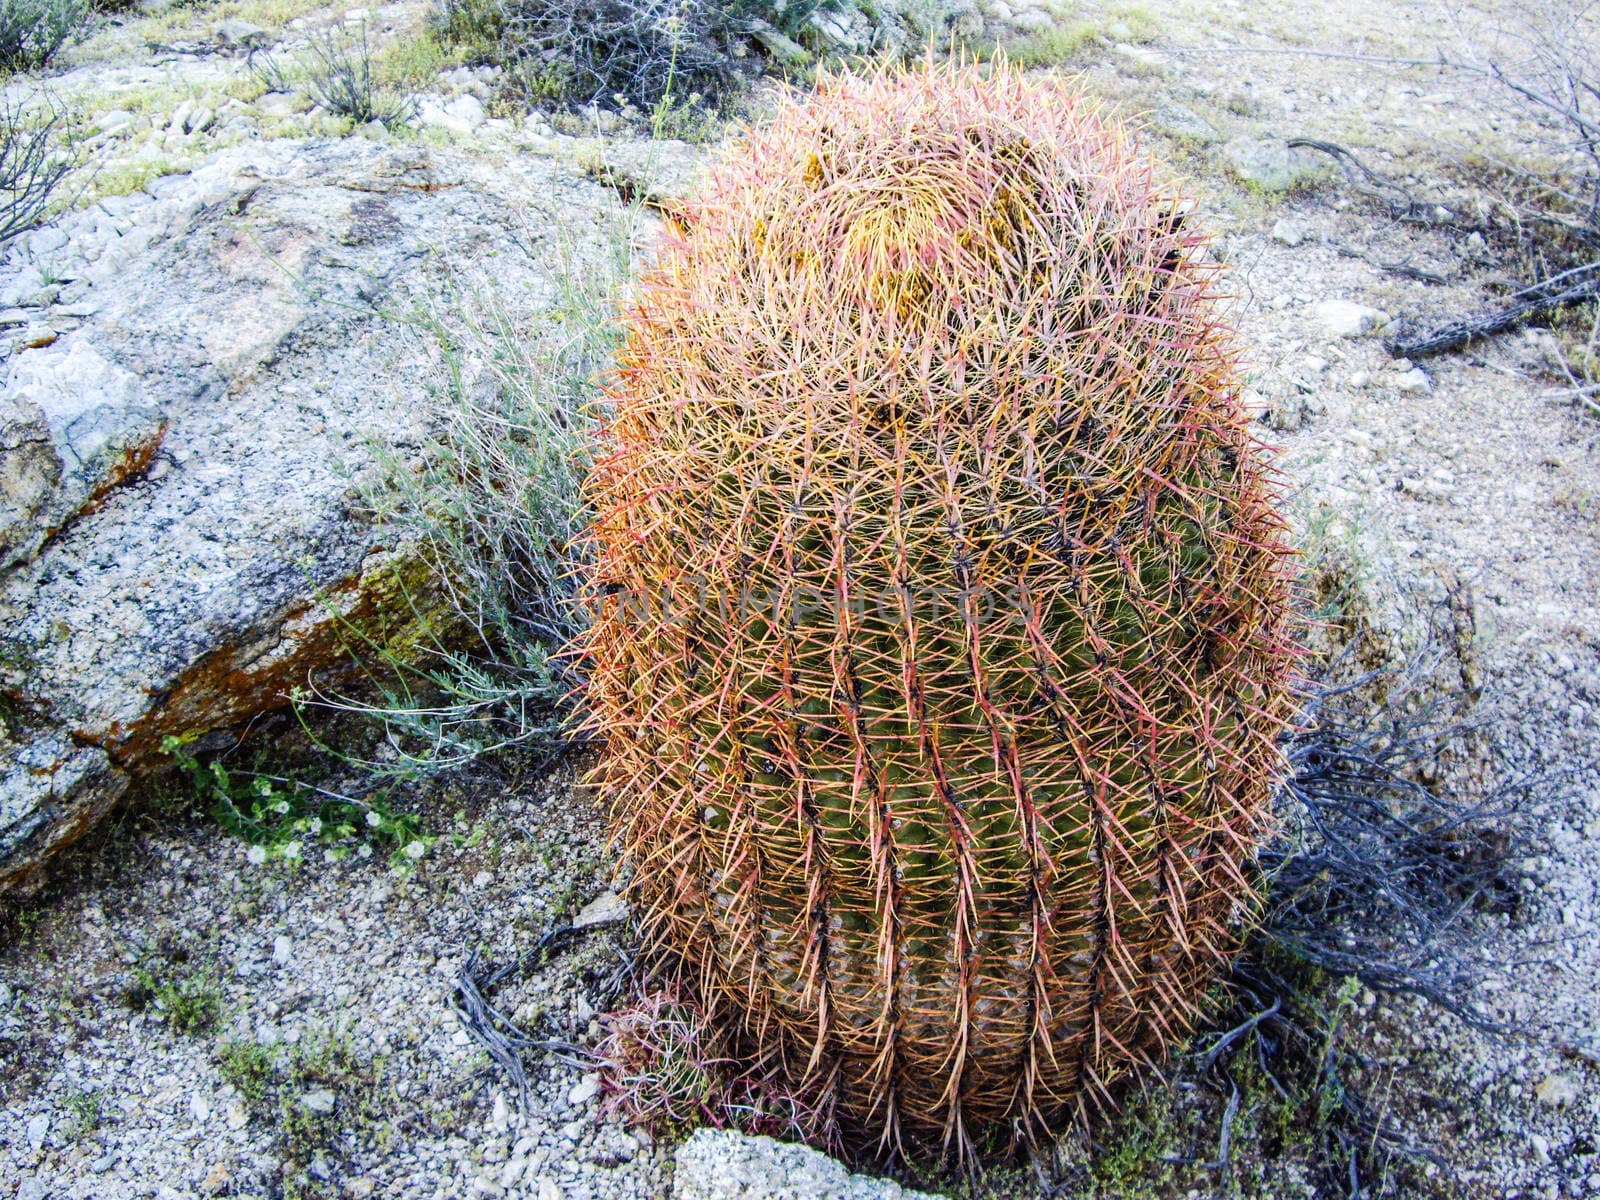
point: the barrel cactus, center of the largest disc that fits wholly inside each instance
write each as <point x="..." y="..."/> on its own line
<point x="940" y="642"/>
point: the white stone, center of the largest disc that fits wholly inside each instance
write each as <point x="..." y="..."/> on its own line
<point x="1558" y="1090"/>
<point x="114" y="121"/>
<point x="1415" y="381"/>
<point x="460" y="114"/>
<point x="322" y="1102"/>
<point x="241" y="34"/>
<point x="605" y="909"/>
<point x="1343" y="318"/>
<point x="1287" y="232"/>
<point x="720" y="1164"/>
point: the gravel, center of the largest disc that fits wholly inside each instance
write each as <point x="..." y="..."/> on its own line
<point x="99" y="1084"/>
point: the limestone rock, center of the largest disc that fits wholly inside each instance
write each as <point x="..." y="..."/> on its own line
<point x="1346" y="319"/>
<point x="241" y="34"/>
<point x="1558" y="1090"/>
<point x="720" y="1164"/>
<point x="30" y="471"/>
<point x="1270" y="165"/>
<point x="1183" y="124"/>
<point x="656" y="171"/>
<point x="180" y="474"/>
<point x="605" y="909"/>
<point x="1413" y="380"/>
<point x="460" y="114"/>
<point x="782" y="49"/>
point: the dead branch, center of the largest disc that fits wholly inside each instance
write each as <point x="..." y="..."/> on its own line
<point x="1401" y="204"/>
<point x="492" y="1029"/>
<point x="1575" y="286"/>
<point x="31" y="165"/>
<point x="1403" y="269"/>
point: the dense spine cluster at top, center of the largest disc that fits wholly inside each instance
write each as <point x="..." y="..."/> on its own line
<point x="940" y="645"/>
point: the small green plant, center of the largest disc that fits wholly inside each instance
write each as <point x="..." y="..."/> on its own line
<point x="1053" y="45"/>
<point x="415" y="62"/>
<point x="1134" y="1154"/>
<point x="1062" y="41"/>
<point x="280" y="818"/>
<point x="247" y="1065"/>
<point x="317" y="1096"/>
<point x="28" y="921"/>
<point x="84" y="1105"/>
<point x="190" y="1000"/>
<point x="32" y="31"/>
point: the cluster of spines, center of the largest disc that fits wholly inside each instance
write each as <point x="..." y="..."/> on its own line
<point x="940" y="641"/>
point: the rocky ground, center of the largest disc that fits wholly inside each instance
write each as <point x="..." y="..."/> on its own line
<point x="177" y="1019"/>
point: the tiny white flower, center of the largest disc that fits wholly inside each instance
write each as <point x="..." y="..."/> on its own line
<point x="314" y="826"/>
<point x="256" y="855"/>
<point x="281" y="807"/>
<point x="415" y="850"/>
<point x="373" y="819"/>
<point x="363" y="851"/>
<point x="291" y="849"/>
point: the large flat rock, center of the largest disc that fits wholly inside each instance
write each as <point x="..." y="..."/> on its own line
<point x="206" y="373"/>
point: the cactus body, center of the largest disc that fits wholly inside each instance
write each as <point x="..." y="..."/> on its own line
<point x="940" y="642"/>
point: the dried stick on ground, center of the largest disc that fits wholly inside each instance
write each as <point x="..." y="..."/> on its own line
<point x="1402" y="205"/>
<point x="1575" y="286"/>
<point x="1554" y="85"/>
<point x="492" y="1029"/>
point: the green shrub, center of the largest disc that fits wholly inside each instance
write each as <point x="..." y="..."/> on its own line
<point x="31" y="31"/>
<point x="495" y="512"/>
<point x="475" y="25"/>
<point x="34" y="161"/>
<point x="340" y="76"/>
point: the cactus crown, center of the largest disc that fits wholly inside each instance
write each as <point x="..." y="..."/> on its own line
<point x="940" y="644"/>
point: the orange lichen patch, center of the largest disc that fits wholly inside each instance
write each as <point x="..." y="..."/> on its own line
<point x="130" y="464"/>
<point x="385" y="605"/>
